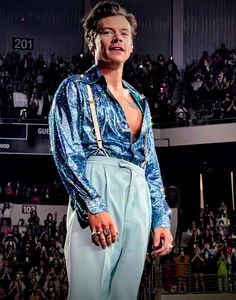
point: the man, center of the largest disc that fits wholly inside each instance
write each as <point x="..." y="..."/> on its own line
<point x="102" y="142"/>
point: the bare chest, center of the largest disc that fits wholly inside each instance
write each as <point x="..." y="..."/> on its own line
<point x="131" y="110"/>
<point x="133" y="116"/>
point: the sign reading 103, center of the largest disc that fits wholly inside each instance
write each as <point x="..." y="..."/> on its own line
<point x="27" y="209"/>
<point x="23" y="43"/>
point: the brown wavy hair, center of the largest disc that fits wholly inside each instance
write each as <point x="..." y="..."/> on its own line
<point x="102" y="10"/>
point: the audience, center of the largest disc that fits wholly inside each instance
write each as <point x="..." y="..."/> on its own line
<point x="21" y="192"/>
<point x="32" y="264"/>
<point x="27" y="85"/>
<point x="207" y="263"/>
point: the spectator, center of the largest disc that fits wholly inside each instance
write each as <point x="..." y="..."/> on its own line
<point x="5" y="228"/>
<point x="226" y="106"/>
<point x="17" y="287"/>
<point x="233" y="269"/>
<point x="3" y="294"/>
<point x="5" y="274"/>
<point x="231" y="111"/>
<point x="182" y="263"/>
<point x="33" y="219"/>
<point x="37" y="293"/>
<point x="172" y="72"/>
<point x="182" y="115"/>
<point x="222" y="273"/>
<point x="168" y="272"/>
<point x="216" y="111"/>
<point x="197" y="267"/>
<point x="223" y="51"/>
<point x="50" y="224"/>
<point x="21" y="227"/>
<point x="222" y="214"/>
<point x="35" y="196"/>
<point x="6" y="212"/>
<point x="9" y="191"/>
<point x="195" y="239"/>
<point x="210" y="266"/>
<point x="207" y="217"/>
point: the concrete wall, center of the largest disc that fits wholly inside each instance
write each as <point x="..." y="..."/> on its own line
<point x="199" y="297"/>
<point x="195" y="135"/>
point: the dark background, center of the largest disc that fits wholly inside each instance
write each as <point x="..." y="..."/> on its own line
<point x="180" y="167"/>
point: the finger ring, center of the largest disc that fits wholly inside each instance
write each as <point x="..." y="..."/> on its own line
<point x="98" y="232"/>
<point x="106" y="231"/>
<point x="170" y="246"/>
<point x="94" y="233"/>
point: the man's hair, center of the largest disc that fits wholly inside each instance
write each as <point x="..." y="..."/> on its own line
<point x="102" y="10"/>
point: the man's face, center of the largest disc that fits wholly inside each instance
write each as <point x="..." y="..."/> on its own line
<point x="113" y="43"/>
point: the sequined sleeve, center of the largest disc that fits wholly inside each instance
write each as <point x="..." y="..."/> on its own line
<point x="161" y="212"/>
<point x="67" y="150"/>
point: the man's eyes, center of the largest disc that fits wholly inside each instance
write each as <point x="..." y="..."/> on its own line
<point x="107" y="32"/>
<point x="111" y="32"/>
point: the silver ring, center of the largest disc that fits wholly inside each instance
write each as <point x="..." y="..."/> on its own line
<point x="106" y="231"/>
<point x="93" y="233"/>
<point x="170" y="246"/>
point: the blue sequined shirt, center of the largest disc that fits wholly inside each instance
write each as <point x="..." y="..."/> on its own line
<point x="73" y="140"/>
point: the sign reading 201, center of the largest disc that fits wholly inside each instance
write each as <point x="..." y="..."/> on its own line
<point x="23" y="43"/>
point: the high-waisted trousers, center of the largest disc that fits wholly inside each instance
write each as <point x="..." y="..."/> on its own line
<point x="115" y="272"/>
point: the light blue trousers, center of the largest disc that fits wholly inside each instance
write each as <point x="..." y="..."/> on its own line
<point x="113" y="273"/>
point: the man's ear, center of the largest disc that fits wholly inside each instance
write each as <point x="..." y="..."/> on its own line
<point x="91" y="46"/>
<point x="132" y="47"/>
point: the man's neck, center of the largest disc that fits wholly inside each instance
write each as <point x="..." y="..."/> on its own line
<point x="113" y="75"/>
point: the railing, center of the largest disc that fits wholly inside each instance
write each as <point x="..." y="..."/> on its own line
<point x="200" y="116"/>
<point x="165" y="279"/>
<point x="20" y="120"/>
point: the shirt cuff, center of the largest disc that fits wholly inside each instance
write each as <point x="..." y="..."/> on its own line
<point x="163" y="220"/>
<point x="96" y="205"/>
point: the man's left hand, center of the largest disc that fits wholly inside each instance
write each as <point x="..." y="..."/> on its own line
<point x="162" y="235"/>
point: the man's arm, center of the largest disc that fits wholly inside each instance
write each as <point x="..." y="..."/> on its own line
<point x="65" y="130"/>
<point x="161" y="212"/>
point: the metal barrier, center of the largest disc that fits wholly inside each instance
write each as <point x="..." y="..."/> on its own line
<point x="164" y="279"/>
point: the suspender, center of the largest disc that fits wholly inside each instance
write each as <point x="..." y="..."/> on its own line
<point x="144" y="164"/>
<point x="97" y="130"/>
<point x="95" y="120"/>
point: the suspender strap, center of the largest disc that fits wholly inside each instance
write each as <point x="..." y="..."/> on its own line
<point x="94" y="118"/>
<point x="97" y="130"/>
<point x="144" y="164"/>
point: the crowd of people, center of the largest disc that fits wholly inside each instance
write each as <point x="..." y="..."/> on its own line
<point x="52" y="193"/>
<point x="211" y="83"/>
<point x="32" y="264"/>
<point x="27" y="84"/>
<point x="207" y="85"/>
<point x="206" y="260"/>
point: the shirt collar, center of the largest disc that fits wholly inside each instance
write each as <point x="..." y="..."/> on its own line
<point x="94" y="74"/>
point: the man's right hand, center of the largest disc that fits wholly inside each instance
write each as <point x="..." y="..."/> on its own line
<point x="103" y="228"/>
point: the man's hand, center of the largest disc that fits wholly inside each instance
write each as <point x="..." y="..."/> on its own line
<point x="163" y="235"/>
<point x="104" y="230"/>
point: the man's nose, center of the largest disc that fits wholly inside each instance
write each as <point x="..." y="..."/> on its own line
<point x="117" y="37"/>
